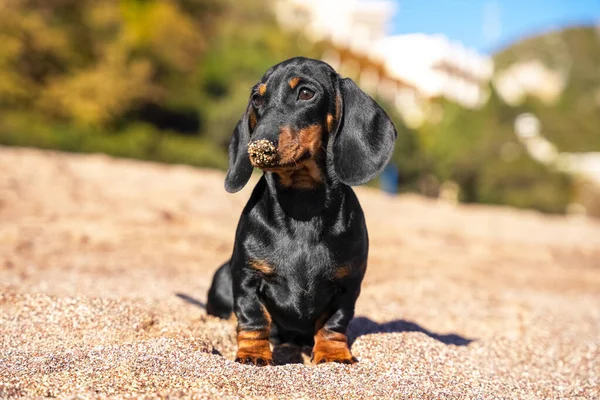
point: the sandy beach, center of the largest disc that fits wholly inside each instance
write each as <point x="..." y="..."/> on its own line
<point x="105" y="264"/>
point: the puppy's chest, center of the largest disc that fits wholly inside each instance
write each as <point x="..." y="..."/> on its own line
<point x="300" y="262"/>
<point x="300" y="283"/>
<point x="304" y="254"/>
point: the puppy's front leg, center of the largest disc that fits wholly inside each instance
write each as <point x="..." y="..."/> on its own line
<point x="331" y="342"/>
<point x="254" y="322"/>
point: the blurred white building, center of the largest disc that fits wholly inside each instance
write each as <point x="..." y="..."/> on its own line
<point x="529" y="78"/>
<point x="407" y="70"/>
<point x="354" y="24"/>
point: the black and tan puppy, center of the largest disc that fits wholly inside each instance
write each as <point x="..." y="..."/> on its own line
<point x="301" y="244"/>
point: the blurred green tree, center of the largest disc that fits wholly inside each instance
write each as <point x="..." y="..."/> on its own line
<point x="478" y="150"/>
<point x="134" y="68"/>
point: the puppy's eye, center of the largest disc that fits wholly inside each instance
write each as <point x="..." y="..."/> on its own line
<point x="306" y="94"/>
<point x="257" y="100"/>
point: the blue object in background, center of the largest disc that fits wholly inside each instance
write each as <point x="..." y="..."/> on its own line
<point x="389" y="179"/>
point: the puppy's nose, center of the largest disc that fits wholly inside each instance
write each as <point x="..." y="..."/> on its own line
<point x="262" y="153"/>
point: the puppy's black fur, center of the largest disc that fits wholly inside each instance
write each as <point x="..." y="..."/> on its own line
<point x="301" y="244"/>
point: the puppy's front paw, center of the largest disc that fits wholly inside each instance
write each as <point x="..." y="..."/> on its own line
<point x="259" y="358"/>
<point x="331" y="347"/>
<point x="342" y="356"/>
<point x="254" y="348"/>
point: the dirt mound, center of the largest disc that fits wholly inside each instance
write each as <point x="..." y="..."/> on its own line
<point x="104" y="267"/>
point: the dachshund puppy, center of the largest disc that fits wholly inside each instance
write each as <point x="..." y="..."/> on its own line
<point x="301" y="244"/>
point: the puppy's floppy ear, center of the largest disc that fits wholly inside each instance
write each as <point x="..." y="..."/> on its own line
<point x="239" y="170"/>
<point x="364" y="141"/>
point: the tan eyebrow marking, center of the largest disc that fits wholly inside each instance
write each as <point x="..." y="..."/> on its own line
<point x="294" y="82"/>
<point x="261" y="266"/>
<point x="342" y="272"/>
<point x="262" y="89"/>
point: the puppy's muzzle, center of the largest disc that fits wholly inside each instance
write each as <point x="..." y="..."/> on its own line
<point x="262" y="153"/>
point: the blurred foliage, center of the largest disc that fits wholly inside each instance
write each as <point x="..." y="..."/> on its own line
<point x="159" y="79"/>
<point x="573" y="123"/>
<point x="478" y="150"/>
<point x="136" y="140"/>
<point x="167" y="80"/>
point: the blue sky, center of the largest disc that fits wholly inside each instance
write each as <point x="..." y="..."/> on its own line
<point x="488" y="25"/>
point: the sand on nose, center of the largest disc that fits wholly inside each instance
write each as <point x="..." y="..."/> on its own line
<point x="262" y="152"/>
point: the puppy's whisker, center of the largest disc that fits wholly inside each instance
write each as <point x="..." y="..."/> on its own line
<point x="325" y="150"/>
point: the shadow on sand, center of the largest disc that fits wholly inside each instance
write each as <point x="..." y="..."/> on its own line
<point x="190" y="300"/>
<point x="363" y="326"/>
